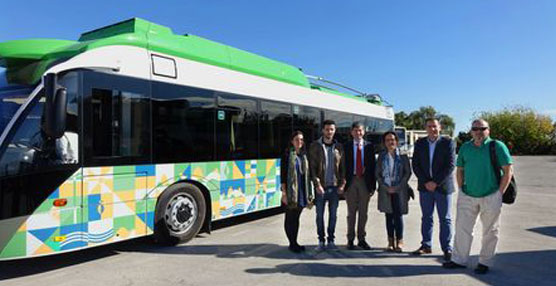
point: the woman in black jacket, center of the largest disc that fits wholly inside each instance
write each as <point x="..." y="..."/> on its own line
<point x="297" y="191"/>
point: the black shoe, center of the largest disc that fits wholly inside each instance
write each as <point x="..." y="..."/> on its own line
<point x="452" y="265"/>
<point x="350" y="245"/>
<point x="301" y="248"/>
<point x="363" y="244"/>
<point x="422" y="250"/>
<point x="447" y="256"/>
<point x="481" y="269"/>
<point x="295" y="248"/>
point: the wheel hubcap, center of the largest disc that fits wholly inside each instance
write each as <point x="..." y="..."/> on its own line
<point x="181" y="213"/>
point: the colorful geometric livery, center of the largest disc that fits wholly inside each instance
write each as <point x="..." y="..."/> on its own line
<point x="109" y="204"/>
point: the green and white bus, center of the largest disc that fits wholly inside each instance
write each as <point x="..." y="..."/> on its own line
<point x="133" y="130"/>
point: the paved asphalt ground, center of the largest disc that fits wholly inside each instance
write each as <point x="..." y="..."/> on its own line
<point x="255" y="253"/>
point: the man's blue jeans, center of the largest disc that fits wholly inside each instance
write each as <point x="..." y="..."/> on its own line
<point x="330" y="195"/>
<point x="443" y="204"/>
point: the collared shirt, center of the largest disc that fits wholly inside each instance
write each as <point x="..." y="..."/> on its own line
<point x="388" y="180"/>
<point x="432" y="146"/>
<point x="355" y="145"/>
<point x="329" y="172"/>
<point x="391" y="164"/>
<point x="479" y="179"/>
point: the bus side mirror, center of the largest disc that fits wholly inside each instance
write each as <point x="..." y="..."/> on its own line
<point x="54" y="124"/>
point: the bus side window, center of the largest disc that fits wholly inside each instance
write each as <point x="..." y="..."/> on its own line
<point x="275" y="127"/>
<point x="237" y="129"/>
<point x="343" y="124"/>
<point x="307" y="120"/>
<point x="119" y="124"/>
<point x="183" y="123"/>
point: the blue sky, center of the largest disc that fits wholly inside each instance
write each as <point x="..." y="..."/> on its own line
<point x="461" y="57"/>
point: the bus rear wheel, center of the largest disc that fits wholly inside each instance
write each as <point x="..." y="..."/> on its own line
<point x="180" y="213"/>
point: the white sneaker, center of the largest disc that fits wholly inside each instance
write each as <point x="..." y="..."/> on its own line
<point x="332" y="245"/>
<point x="320" y="247"/>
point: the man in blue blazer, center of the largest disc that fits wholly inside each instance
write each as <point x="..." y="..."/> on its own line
<point x="433" y="164"/>
<point x="360" y="183"/>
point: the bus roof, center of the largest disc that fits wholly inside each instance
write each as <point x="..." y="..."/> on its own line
<point x="17" y="56"/>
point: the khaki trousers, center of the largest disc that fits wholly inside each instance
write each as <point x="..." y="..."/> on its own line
<point x="488" y="208"/>
<point x="357" y="198"/>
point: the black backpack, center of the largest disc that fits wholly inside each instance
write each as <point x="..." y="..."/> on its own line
<point x="511" y="192"/>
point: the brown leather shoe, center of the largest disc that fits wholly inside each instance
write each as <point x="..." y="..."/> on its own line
<point x="399" y="245"/>
<point x="422" y="250"/>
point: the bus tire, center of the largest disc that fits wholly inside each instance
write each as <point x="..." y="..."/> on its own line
<point x="180" y="213"/>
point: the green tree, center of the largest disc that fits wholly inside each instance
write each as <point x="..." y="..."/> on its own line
<point x="448" y="124"/>
<point x="416" y="119"/>
<point x="553" y="148"/>
<point x="522" y="129"/>
<point x="462" y="138"/>
<point x="402" y="119"/>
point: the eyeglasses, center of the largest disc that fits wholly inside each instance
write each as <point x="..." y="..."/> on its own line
<point x="479" y="128"/>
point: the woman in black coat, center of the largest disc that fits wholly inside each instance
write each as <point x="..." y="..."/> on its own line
<point x="297" y="191"/>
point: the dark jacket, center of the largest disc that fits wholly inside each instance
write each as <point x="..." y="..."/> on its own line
<point x="368" y="164"/>
<point x="317" y="163"/>
<point x="402" y="189"/>
<point x="443" y="164"/>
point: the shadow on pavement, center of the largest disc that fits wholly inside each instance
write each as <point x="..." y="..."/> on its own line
<point x="269" y="251"/>
<point x="517" y="268"/>
<point x="31" y="266"/>
<point x="245" y="218"/>
<point x="351" y="270"/>
<point x="547" y="230"/>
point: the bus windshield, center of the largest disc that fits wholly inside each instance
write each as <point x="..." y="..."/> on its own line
<point x="19" y="153"/>
<point x="12" y="96"/>
<point x="27" y="148"/>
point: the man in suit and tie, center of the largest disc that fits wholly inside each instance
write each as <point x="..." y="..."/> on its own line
<point x="433" y="164"/>
<point x="360" y="183"/>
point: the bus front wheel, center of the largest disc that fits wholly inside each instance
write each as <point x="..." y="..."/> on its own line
<point x="180" y="213"/>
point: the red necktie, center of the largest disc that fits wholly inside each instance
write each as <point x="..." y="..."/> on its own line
<point x="359" y="163"/>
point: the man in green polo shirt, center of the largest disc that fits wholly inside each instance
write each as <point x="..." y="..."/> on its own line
<point x="479" y="194"/>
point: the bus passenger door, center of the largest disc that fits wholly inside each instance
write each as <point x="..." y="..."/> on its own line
<point x="117" y="144"/>
<point x="115" y="206"/>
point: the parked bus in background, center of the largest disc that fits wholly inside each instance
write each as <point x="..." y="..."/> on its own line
<point x="408" y="138"/>
<point x="402" y="135"/>
<point x="133" y="130"/>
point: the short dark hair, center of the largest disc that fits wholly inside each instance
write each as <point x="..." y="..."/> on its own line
<point x="429" y="119"/>
<point x="357" y="124"/>
<point x="328" y="122"/>
<point x="388" y="133"/>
